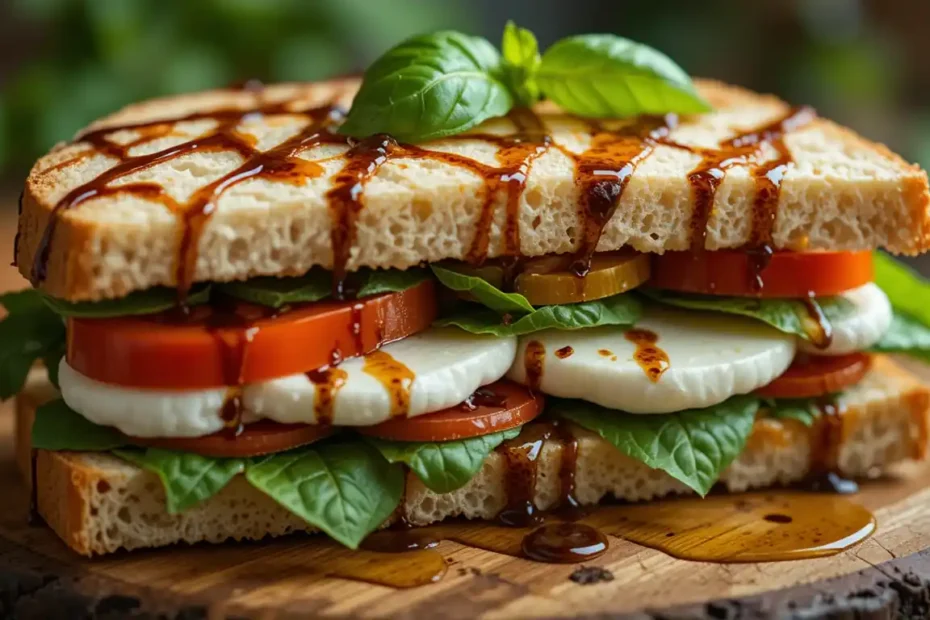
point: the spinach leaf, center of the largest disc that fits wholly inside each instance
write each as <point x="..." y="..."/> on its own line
<point x="603" y="75"/>
<point x="906" y="335"/>
<point x="343" y="487"/>
<point x="430" y="86"/>
<point x="804" y="410"/>
<point x="623" y="309"/>
<point x="58" y="427"/>
<point x="443" y="466"/>
<point x="692" y="446"/>
<point x="188" y="478"/>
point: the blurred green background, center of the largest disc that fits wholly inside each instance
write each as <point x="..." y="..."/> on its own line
<point x="65" y="62"/>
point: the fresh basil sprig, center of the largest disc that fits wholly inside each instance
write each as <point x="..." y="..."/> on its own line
<point x="430" y="86"/>
<point x="436" y="85"/>
<point x="29" y="332"/>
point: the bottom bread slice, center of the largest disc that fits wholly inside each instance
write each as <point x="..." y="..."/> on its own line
<point x="98" y="503"/>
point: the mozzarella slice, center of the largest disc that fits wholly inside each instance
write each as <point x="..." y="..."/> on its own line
<point x="861" y="329"/>
<point x="443" y="367"/>
<point x="710" y="358"/>
<point x="143" y="413"/>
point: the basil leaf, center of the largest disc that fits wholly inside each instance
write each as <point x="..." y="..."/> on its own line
<point x="345" y="488"/>
<point x="443" y="466"/>
<point x="430" y="86"/>
<point x="804" y="410"/>
<point x="376" y="282"/>
<point x="692" y="446"/>
<point x="29" y="332"/>
<point x="52" y="362"/>
<point x="273" y="292"/>
<point x="521" y="61"/>
<point x="316" y="285"/>
<point x="188" y="478"/>
<point x="788" y="315"/>
<point x="603" y="75"/>
<point x="906" y="290"/>
<point x="149" y="301"/>
<point x="58" y="427"/>
<point x="905" y="335"/>
<point x="483" y="291"/>
<point x="620" y="309"/>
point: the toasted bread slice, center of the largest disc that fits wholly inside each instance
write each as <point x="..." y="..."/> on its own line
<point x="98" y="503"/>
<point x="842" y="193"/>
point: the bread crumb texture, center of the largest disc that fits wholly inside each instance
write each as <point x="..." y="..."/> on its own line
<point x="841" y="192"/>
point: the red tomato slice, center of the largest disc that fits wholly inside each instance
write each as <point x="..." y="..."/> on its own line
<point x="814" y="376"/>
<point x="496" y="407"/>
<point x="238" y="343"/>
<point x="262" y="437"/>
<point x="787" y="274"/>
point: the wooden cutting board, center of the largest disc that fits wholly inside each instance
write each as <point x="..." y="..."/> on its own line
<point x="888" y="574"/>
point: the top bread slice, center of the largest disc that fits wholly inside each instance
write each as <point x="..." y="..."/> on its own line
<point x="842" y="193"/>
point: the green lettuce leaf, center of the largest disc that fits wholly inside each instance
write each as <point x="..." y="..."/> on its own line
<point x="787" y="315"/>
<point x="692" y="446"/>
<point x="906" y="335"/>
<point x="58" y="427"/>
<point x="623" y="309"/>
<point x="188" y="478"/>
<point x="149" y="301"/>
<point x="483" y="291"/>
<point x="443" y="466"/>
<point x="317" y="284"/>
<point x="30" y="332"/>
<point x="343" y="487"/>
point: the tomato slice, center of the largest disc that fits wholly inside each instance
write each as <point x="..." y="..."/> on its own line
<point x="813" y="376"/>
<point x="236" y="342"/>
<point x="496" y="407"/>
<point x="787" y="274"/>
<point x="262" y="437"/>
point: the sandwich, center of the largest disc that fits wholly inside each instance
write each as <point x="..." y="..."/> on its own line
<point x="471" y="283"/>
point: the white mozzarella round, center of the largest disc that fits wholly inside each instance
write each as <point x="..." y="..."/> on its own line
<point x="447" y="366"/>
<point x="143" y="413"/>
<point x="861" y="329"/>
<point x="710" y="358"/>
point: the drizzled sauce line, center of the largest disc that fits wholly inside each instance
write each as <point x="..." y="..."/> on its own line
<point x="648" y="355"/>
<point x="396" y="378"/>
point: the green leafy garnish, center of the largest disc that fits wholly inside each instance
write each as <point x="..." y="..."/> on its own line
<point x="316" y="285"/>
<point x="58" y="427"/>
<point x="30" y="332"/>
<point x="445" y="83"/>
<point x="343" y="487"/>
<point x="804" y="410"/>
<point x="188" y="478"/>
<point x="150" y="301"/>
<point x="623" y="309"/>
<point x="693" y="446"/>
<point x="606" y="76"/>
<point x="443" y="466"/>
<point x="788" y="315"/>
<point x="521" y="62"/>
<point x="907" y="291"/>
<point x="483" y="291"/>
<point x="430" y="86"/>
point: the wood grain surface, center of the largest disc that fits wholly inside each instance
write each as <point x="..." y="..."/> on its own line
<point x="888" y="576"/>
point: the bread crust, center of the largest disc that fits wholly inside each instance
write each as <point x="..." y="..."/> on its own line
<point x="97" y="503"/>
<point x="842" y="193"/>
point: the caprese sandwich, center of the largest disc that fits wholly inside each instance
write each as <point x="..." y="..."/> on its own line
<point x="428" y="293"/>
